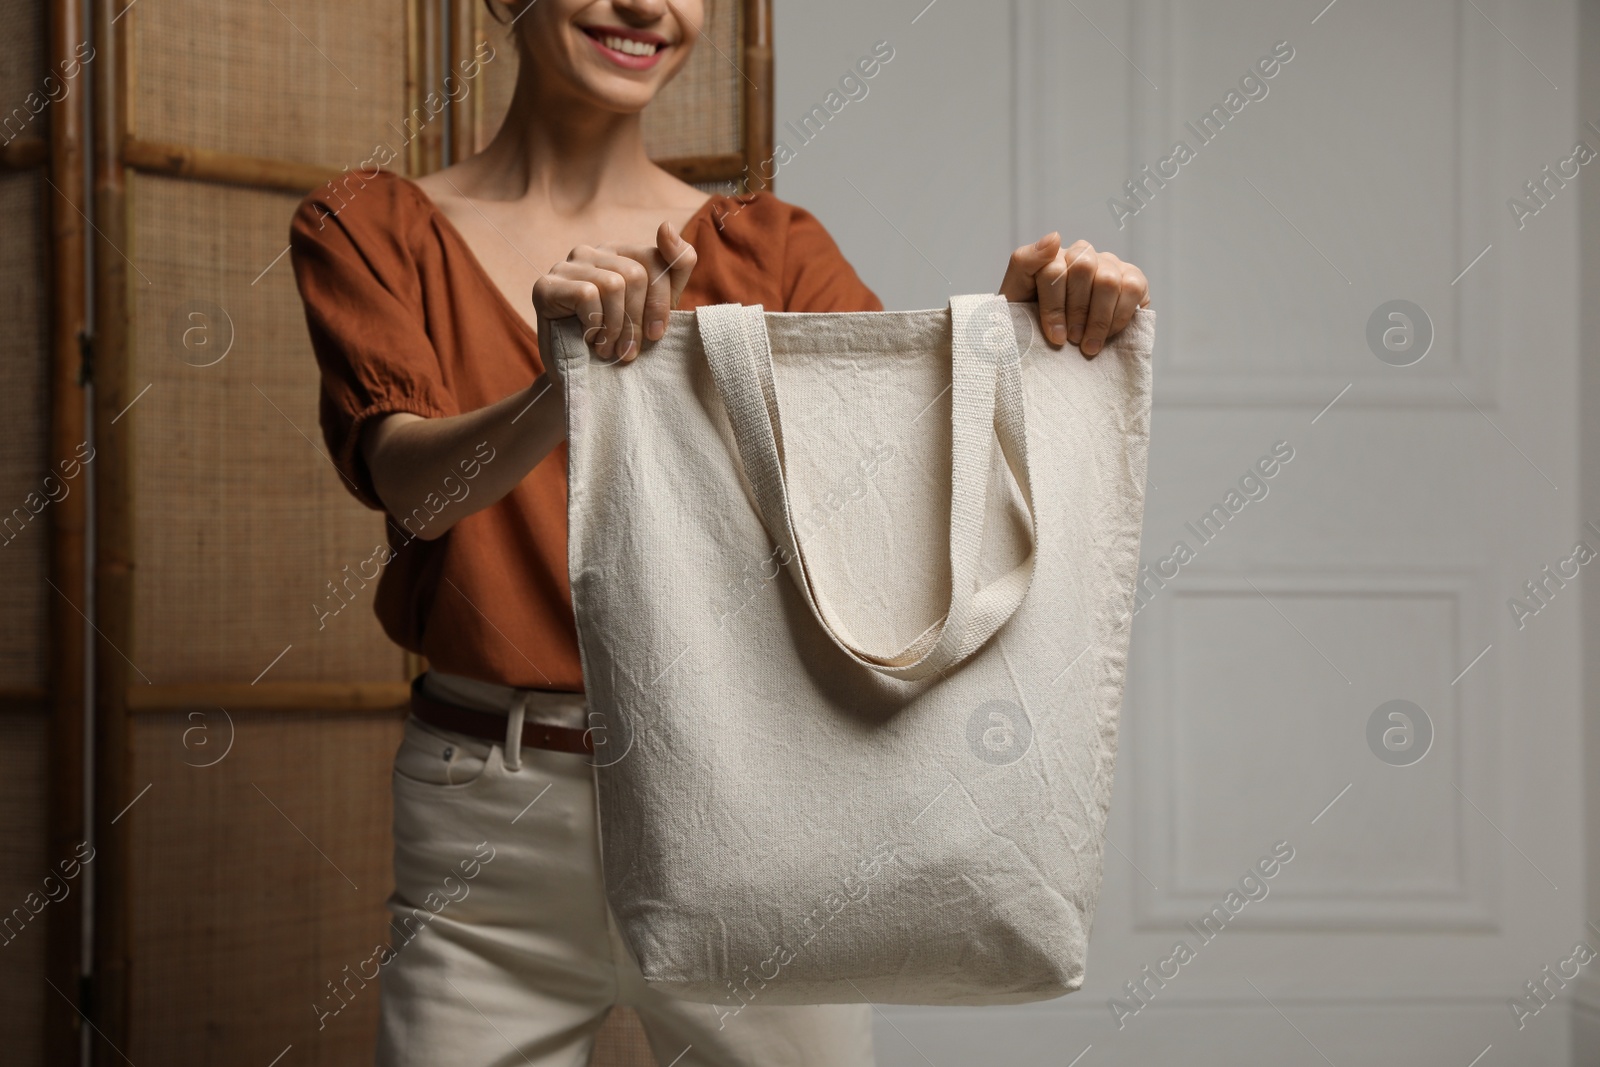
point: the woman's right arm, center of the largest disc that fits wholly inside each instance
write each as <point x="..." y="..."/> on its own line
<point x="611" y="288"/>
<point x="412" y="458"/>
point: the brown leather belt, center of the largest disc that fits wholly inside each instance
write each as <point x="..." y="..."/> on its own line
<point x="491" y="726"/>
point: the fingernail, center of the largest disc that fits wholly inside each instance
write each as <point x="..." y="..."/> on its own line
<point x="1091" y="350"/>
<point x="625" y="348"/>
<point x="1076" y="335"/>
<point x="1058" y="334"/>
<point x="656" y="328"/>
<point x="1044" y="242"/>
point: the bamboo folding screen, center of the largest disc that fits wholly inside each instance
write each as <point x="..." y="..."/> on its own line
<point x="43" y="494"/>
<point x="243" y="733"/>
<point x="242" y="778"/>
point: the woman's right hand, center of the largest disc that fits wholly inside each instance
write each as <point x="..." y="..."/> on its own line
<point x="614" y="289"/>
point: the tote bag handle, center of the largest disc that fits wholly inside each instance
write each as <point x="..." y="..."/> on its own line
<point x="986" y="409"/>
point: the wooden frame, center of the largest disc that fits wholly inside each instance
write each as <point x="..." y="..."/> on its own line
<point x="113" y="565"/>
<point x="758" y="89"/>
<point x="67" y="266"/>
<point x="226" y="168"/>
<point x="425" y="30"/>
<point x="25" y="153"/>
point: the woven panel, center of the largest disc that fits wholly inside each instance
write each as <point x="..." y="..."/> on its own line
<point x="22" y="54"/>
<point x="302" y="80"/>
<point x="241" y="523"/>
<point x="238" y="922"/>
<point x="24" y="412"/>
<point x="720" y="188"/>
<point x="24" y="543"/>
<point x="697" y="114"/>
<point x="23" y="826"/>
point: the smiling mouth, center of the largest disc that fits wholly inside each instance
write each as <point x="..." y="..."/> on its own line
<point x="635" y="46"/>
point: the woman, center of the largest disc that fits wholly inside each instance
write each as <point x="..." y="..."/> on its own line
<point x="437" y="409"/>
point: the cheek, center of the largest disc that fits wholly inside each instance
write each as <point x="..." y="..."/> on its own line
<point x="543" y="37"/>
<point x="692" y="16"/>
<point x="675" y="63"/>
<point x="693" y="22"/>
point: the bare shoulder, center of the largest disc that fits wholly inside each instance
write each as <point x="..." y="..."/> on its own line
<point x="446" y="184"/>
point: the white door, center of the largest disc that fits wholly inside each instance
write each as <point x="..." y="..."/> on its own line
<point x="1366" y="441"/>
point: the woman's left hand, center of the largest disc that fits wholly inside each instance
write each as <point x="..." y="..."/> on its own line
<point x="1084" y="296"/>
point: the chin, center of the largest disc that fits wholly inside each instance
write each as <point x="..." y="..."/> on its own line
<point x="622" y="95"/>
<point x="615" y="79"/>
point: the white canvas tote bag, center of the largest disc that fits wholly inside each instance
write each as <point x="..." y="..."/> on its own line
<point x="853" y="598"/>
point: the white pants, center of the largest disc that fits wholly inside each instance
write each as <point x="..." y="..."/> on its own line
<point x="504" y="949"/>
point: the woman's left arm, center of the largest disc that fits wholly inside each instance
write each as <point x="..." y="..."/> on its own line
<point x="1084" y="296"/>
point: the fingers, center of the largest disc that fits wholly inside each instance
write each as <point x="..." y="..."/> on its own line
<point x="679" y="258"/>
<point x="1119" y="290"/>
<point x="622" y="294"/>
<point x="1135" y="294"/>
<point x="563" y="292"/>
<point x="1084" y="296"/>
<point x="1102" y="305"/>
<point x="666" y="273"/>
<point x="1122" y="313"/>
<point x="625" y="340"/>
<point x="606" y="290"/>
<point x="1081" y="263"/>
<point x="658" y="297"/>
<point x="600" y="305"/>
<point x="1019" y="284"/>
<point x="1052" y="283"/>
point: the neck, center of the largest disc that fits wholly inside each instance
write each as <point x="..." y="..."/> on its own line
<point x="564" y="151"/>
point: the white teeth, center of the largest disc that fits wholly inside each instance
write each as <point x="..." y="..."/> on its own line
<point x="629" y="47"/>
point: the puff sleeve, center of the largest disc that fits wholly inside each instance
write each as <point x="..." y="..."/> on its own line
<point x="361" y="289"/>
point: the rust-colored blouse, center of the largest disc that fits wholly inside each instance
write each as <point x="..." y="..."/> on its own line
<point x="403" y="317"/>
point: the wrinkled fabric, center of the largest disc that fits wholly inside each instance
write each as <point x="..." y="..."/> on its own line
<point x="403" y="317"/>
<point x="781" y="824"/>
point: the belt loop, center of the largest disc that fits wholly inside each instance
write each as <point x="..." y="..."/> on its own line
<point x="514" y="731"/>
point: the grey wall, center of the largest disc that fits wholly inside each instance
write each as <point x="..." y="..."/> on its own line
<point x="914" y="180"/>
<point x="1586" y="1022"/>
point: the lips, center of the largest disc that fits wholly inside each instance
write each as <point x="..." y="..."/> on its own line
<point x="627" y="48"/>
